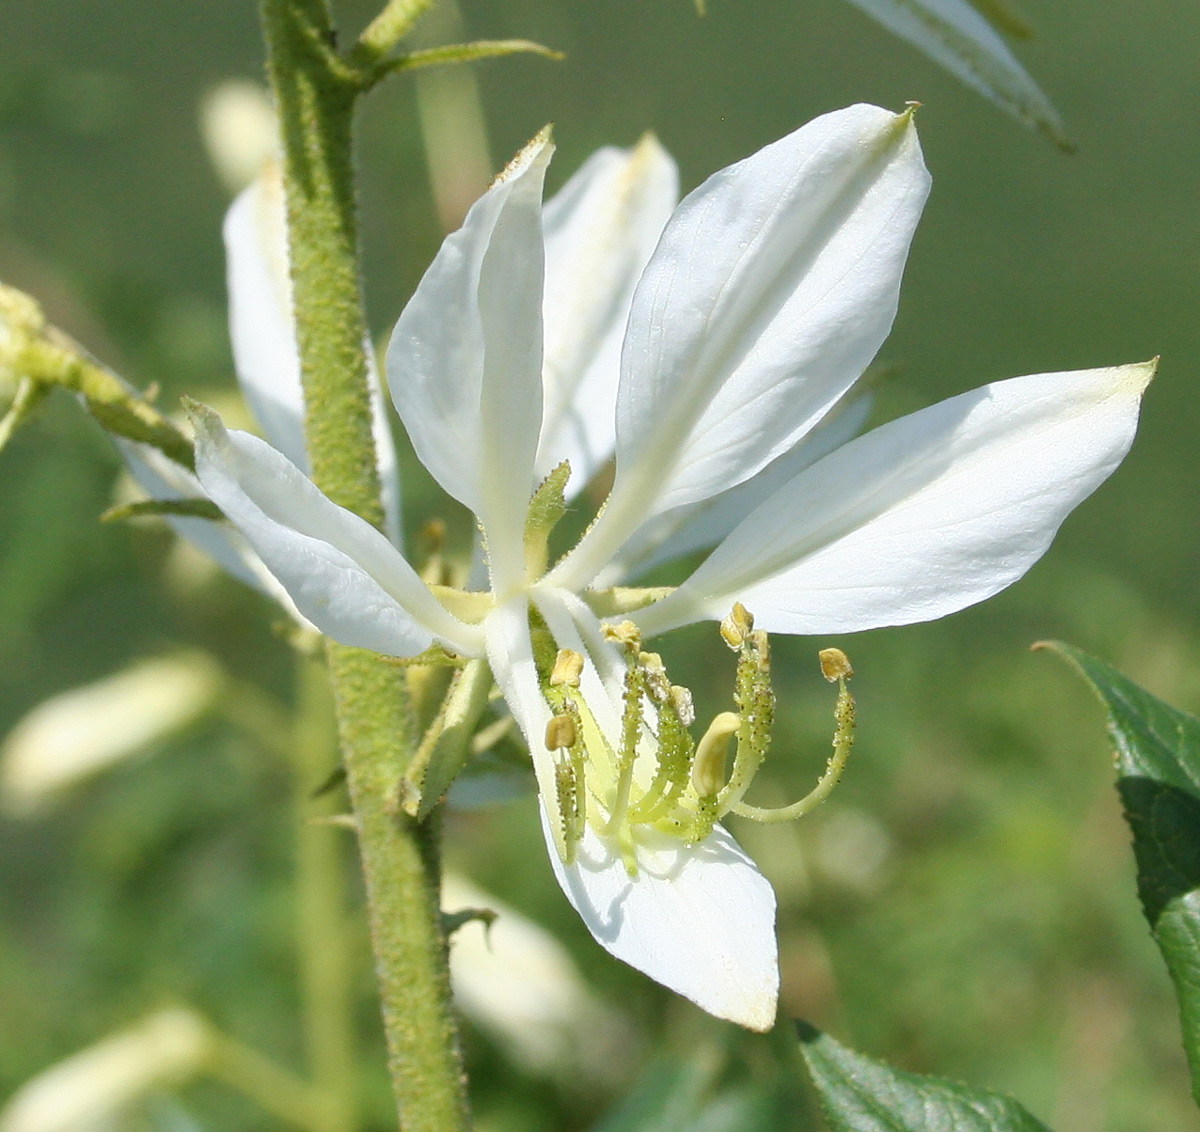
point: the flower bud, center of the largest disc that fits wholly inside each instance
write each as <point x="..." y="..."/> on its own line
<point x="77" y="734"/>
<point x="93" y="1088"/>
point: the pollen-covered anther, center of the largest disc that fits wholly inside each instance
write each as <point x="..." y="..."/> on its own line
<point x="568" y="667"/>
<point x="835" y="665"/>
<point x="736" y="627"/>
<point x="624" y="633"/>
<point x="681" y="700"/>
<point x="657" y="682"/>
<point x="561" y="733"/>
<point x="708" y="767"/>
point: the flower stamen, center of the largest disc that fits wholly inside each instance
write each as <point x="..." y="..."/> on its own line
<point x="835" y="667"/>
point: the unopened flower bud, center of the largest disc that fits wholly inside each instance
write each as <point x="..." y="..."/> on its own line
<point x="835" y="665"/>
<point x="94" y="1088"/>
<point x="240" y="131"/>
<point x="568" y="667"/>
<point x="77" y="734"/>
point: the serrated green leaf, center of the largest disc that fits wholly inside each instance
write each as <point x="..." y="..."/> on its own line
<point x="1157" y="749"/>
<point x="859" y="1094"/>
<point x="956" y="36"/>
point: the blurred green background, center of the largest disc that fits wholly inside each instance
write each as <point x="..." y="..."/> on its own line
<point x="965" y="903"/>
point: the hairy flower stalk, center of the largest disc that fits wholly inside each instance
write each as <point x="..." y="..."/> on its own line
<point x="709" y="355"/>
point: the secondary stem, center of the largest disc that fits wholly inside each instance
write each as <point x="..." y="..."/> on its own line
<point x="325" y="964"/>
<point x="315" y="96"/>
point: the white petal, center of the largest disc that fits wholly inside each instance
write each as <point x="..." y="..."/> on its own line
<point x="954" y="34"/>
<point x="698" y="919"/>
<point x="701" y="525"/>
<point x="600" y="230"/>
<point x="341" y="572"/>
<point x="260" y="314"/>
<point x="510" y="655"/>
<point x="465" y="359"/>
<point x="262" y="332"/>
<point x="924" y="516"/>
<point x="161" y="478"/>
<point x="772" y="288"/>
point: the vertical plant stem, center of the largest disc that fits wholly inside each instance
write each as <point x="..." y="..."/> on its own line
<point x="323" y="944"/>
<point x="315" y="96"/>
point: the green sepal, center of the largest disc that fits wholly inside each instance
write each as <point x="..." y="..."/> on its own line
<point x="546" y="509"/>
<point x="444" y="751"/>
<point x="159" y="508"/>
<point x="30" y="394"/>
<point x="451" y="53"/>
<point x="452" y="921"/>
<point x="1157" y="753"/>
<point x="859" y="1094"/>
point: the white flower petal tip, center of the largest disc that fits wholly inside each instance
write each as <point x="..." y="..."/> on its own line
<point x="772" y="288"/>
<point x="698" y="919"/>
<point x="465" y="359"/>
<point x="342" y="573"/>
<point x="601" y="229"/>
<point x="925" y="515"/>
<point x="540" y="147"/>
<point x="956" y="35"/>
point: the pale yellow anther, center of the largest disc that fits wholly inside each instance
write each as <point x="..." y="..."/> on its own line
<point x="708" y="769"/>
<point x="835" y="665"/>
<point x="681" y="699"/>
<point x="568" y="667"/>
<point x="561" y="733"/>
<point x="624" y="633"/>
<point x="736" y="627"/>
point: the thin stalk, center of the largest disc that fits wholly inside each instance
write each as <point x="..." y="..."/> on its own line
<point x="275" y="1089"/>
<point x="315" y="96"/>
<point x="326" y="968"/>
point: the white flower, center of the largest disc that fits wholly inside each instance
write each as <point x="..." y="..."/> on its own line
<point x="771" y="289"/>
<point x="267" y="362"/>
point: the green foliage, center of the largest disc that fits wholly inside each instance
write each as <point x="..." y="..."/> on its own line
<point x="859" y="1094"/>
<point x="683" y="1096"/>
<point x="955" y="35"/>
<point x="1157" y="749"/>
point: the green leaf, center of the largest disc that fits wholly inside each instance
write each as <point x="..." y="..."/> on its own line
<point x="859" y="1094"/>
<point x="1157" y="749"/>
<point x="685" y="1096"/>
<point x="956" y="36"/>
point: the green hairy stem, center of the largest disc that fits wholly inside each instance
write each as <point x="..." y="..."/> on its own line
<point x="315" y="92"/>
